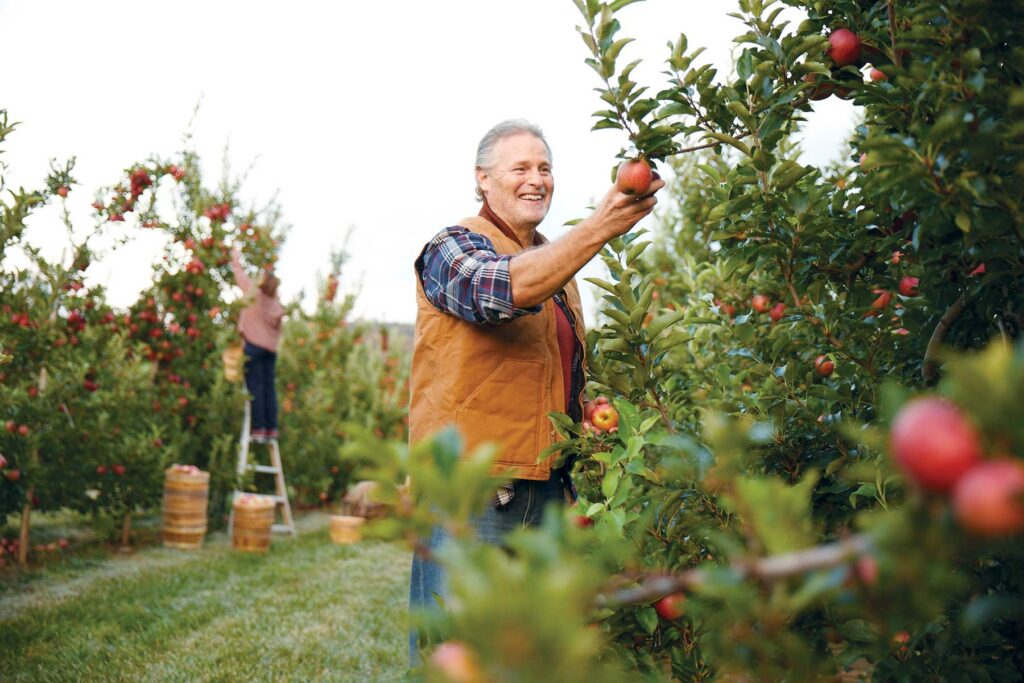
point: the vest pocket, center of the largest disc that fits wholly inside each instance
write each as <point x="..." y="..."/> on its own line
<point x="506" y="408"/>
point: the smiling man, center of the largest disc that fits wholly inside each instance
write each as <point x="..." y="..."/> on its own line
<point x="499" y="339"/>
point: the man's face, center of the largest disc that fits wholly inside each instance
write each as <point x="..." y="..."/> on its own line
<point x="519" y="184"/>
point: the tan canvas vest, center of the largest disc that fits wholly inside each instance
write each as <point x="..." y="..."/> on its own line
<point x="495" y="383"/>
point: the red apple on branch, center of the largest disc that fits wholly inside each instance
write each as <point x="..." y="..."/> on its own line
<point x="933" y="443"/>
<point x="12" y="475"/>
<point x="844" y="47"/>
<point x="908" y="286"/>
<point x="760" y="303"/>
<point x="634" y="177"/>
<point x="824" y="366"/>
<point x="778" y="310"/>
<point x="670" y="607"/>
<point x="989" y="499"/>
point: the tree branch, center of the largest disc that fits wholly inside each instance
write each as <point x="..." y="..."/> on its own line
<point x="930" y="367"/>
<point x="765" y="569"/>
<point x="892" y="33"/>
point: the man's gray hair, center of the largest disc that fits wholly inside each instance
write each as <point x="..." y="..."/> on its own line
<point x="505" y="129"/>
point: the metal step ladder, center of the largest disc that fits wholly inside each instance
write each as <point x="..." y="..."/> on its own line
<point x="280" y="494"/>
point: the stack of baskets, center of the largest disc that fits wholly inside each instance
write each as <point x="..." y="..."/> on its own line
<point x="253" y="522"/>
<point x="186" y="490"/>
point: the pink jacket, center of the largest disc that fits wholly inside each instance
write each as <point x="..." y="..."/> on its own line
<point x="260" y="321"/>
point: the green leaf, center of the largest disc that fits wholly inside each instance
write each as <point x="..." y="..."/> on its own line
<point x="662" y="323"/>
<point x="607" y="286"/>
<point x="611" y="482"/>
<point x="648" y="619"/>
<point x="963" y="221"/>
<point x="780" y="514"/>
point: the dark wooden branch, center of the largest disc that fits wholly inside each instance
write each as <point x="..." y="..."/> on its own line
<point x="770" y="568"/>
<point x="929" y="369"/>
<point x="892" y="34"/>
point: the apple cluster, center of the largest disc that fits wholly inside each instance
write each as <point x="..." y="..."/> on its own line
<point x="940" y="450"/>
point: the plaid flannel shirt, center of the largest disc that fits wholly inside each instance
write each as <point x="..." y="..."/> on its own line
<point x="464" y="276"/>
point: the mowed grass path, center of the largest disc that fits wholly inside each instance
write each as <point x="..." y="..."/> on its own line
<point x="307" y="611"/>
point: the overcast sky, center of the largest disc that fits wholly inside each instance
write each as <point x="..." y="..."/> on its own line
<point x="355" y="114"/>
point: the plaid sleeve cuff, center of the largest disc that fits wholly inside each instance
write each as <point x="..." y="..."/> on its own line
<point x="463" y="275"/>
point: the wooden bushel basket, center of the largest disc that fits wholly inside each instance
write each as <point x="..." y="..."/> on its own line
<point x="253" y="519"/>
<point x="184" y="508"/>
<point x="233" y="358"/>
<point x="346" y="529"/>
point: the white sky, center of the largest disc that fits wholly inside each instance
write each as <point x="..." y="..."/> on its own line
<point x="356" y="114"/>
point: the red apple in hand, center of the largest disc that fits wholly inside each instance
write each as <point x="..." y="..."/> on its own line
<point x="760" y="303"/>
<point x="989" y="499"/>
<point x="908" y="286"/>
<point x="604" y="418"/>
<point x="823" y="366"/>
<point x="933" y="443"/>
<point x="456" y="663"/>
<point x="670" y="607"/>
<point x="634" y="177"/>
<point x="844" y="47"/>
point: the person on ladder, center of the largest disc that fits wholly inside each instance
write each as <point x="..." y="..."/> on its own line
<point x="260" y="327"/>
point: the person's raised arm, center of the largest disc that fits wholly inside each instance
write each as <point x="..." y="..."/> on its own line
<point x="540" y="273"/>
<point x="241" y="279"/>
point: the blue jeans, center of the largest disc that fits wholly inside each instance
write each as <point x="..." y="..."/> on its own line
<point x="259" y="380"/>
<point x="526" y="510"/>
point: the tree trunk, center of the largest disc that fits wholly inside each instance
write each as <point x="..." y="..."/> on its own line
<point x="23" y="539"/>
<point x="126" y="533"/>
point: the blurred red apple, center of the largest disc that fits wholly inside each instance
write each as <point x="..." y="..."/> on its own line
<point x="908" y="286"/>
<point x="989" y="499"/>
<point x="933" y="443"/>
<point x="670" y="607"/>
<point x="456" y="663"/>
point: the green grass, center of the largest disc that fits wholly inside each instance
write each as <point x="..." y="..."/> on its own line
<point x="308" y="610"/>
